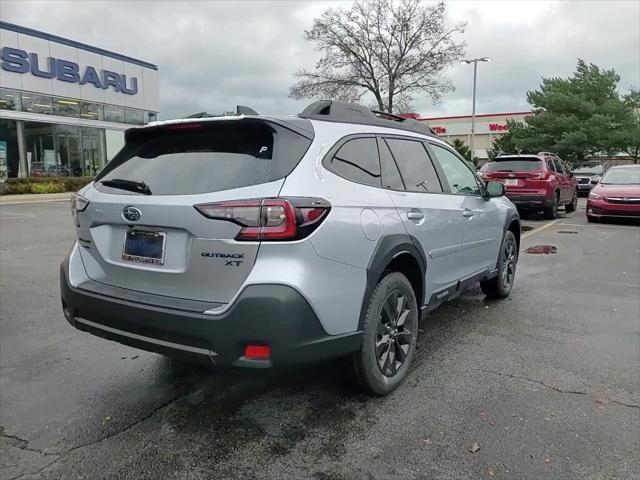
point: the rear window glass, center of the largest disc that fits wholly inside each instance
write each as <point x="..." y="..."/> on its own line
<point x="196" y="158"/>
<point x="515" y="165"/>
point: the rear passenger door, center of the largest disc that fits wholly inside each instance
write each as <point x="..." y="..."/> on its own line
<point x="566" y="192"/>
<point x="434" y="220"/>
<point x="482" y="224"/>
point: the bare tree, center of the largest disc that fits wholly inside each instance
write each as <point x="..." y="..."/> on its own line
<point x="391" y="49"/>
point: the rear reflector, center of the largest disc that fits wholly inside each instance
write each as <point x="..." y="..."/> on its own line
<point x="269" y="218"/>
<point x="257" y="352"/>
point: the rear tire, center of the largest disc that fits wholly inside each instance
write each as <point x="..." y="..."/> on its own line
<point x="551" y="211"/>
<point x="591" y="219"/>
<point x="500" y="286"/>
<point x="571" y="207"/>
<point x="389" y="337"/>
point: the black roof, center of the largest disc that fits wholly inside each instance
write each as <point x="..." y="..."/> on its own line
<point x="340" y="112"/>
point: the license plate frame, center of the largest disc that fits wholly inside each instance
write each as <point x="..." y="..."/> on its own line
<point x="141" y="247"/>
<point x="511" y="182"/>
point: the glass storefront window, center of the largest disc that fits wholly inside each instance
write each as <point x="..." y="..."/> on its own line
<point x="9" y="99"/>
<point x="9" y="157"/>
<point x="92" y="111"/>
<point x="92" y="150"/>
<point x="41" y="152"/>
<point x="151" y="117"/>
<point x="66" y="108"/>
<point x="114" y="114"/>
<point x="34" y="103"/>
<point x="69" y="155"/>
<point x="114" y="141"/>
<point x="133" y="116"/>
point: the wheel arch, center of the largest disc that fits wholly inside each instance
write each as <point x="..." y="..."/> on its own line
<point x="401" y="253"/>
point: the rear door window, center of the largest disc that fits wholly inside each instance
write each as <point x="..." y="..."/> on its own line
<point x="193" y="158"/>
<point x="416" y="169"/>
<point x="530" y="164"/>
<point x="357" y="160"/>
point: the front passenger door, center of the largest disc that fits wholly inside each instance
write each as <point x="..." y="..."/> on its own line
<point x="481" y="226"/>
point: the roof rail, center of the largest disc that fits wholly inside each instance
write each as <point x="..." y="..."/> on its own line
<point x="340" y="112"/>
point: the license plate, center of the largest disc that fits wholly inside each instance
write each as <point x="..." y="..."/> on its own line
<point x="144" y="246"/>
<point x="511" y="181"/>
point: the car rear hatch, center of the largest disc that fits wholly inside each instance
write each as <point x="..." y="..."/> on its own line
<point x="141" y="230"/>
<point x="520" y="173"/>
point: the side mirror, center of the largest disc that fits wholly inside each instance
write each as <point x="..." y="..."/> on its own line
<point x="595" y="180"/>
<point x="495" y="189"/>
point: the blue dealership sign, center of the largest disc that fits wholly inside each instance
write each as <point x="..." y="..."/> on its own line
<point x="21" y="61"/>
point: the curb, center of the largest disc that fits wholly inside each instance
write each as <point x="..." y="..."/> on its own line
<point x="34" y="198"/>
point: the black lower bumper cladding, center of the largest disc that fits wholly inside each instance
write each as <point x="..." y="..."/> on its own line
<point x="273" y="315"/>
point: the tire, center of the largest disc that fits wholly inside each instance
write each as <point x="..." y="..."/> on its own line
<point x="571" y="207"/>
<point x="501" y="285"/>
<point x="390" y="332"/>
<point x="551" y="211"/>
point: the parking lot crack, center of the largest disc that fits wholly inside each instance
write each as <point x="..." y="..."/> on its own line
<point x="21" y="443"/>
<point x="550" y="387"/>
<point x="140" y="420"/>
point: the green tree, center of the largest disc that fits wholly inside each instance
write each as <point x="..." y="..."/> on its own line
<point x="578" y="116"/>
<point x="460" y="147"/>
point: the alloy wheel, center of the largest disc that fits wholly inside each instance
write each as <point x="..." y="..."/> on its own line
<point x="396" y="326"/>
<point x="509" y="257"/>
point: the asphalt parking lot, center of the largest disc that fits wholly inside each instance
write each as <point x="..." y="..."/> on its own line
<point x="546" y="383"/>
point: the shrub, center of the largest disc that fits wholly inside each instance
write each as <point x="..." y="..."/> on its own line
<point x="49" y="187"/>
<point x="14" y="186"/>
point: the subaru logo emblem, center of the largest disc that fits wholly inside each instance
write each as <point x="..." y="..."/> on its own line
<point x="131" y="214"/>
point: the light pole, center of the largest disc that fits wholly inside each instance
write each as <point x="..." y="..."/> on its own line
<point x="473" y="108"/>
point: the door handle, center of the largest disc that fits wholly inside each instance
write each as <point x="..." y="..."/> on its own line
<point x="414" y="215"/>
<point x="467" y="213"/>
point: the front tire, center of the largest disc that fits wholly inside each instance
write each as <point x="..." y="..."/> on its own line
<point x="500" y="286"/>
<point x="389" y="337"/>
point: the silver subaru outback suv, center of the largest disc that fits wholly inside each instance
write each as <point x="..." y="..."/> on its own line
<point x="261" y="241"/>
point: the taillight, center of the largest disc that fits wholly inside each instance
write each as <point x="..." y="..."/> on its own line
<point x="538" y="175"/>
<point x="270" y="219"/>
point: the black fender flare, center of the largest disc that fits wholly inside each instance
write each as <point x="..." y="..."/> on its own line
<point x="388" y="248"/>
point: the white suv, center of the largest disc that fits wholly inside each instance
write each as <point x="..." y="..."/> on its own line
<point x="258" y="241"/>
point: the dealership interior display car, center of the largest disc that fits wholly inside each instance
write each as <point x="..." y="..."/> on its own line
<point x="616" y="195"/>
<point x="260" y="241"/>
<point x="535" y="182"/>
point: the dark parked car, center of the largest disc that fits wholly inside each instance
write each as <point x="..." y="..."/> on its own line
<point x="617" y="194"/>
<point x="535" y="182"/>
<point x="587" y="176"/>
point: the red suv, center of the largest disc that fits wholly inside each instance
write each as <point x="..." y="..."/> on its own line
<point x="535" y="182"/>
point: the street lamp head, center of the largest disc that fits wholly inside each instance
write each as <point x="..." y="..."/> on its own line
<point x="486" y="59"/>
<point x="465" y="62"/>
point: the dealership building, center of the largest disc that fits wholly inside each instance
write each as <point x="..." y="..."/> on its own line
<point x="64" y="105"/>
<point x="487" y="128"/>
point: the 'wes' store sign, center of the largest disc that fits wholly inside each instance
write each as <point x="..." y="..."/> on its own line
<point x="20" y="61"/>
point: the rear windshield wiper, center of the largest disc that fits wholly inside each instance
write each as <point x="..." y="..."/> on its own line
<point x="131" y="185"/>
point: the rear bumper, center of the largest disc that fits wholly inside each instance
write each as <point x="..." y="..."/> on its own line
<point x="528" y="201"/>
<point x="274" y="315"/>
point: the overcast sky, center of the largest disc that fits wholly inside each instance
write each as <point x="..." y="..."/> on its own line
<point x="213" y="55"/>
